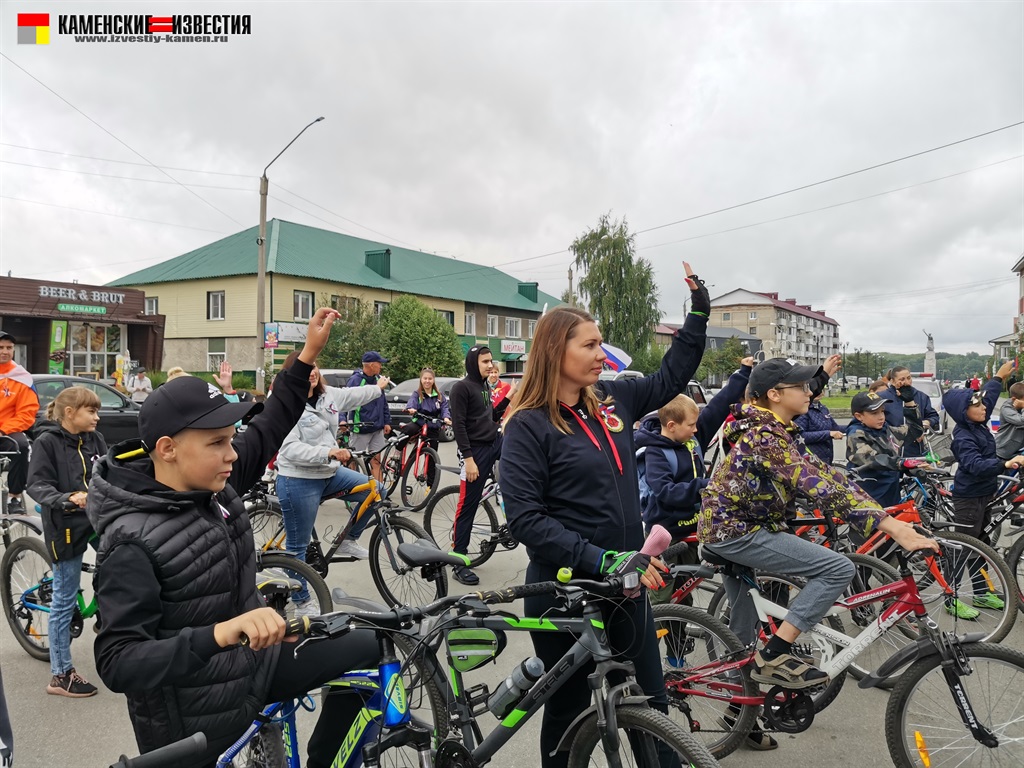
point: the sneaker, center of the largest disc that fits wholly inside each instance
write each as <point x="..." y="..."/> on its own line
<point x="306" y="608"/>
<point x="675" y="661"/>
<point x="786" y="671"/>
<point x="756" y="739"/>
<point x="351" y="548"/>
<point x="15" y="506"/>
<point x="962" y="610"/>
<point x="989" y="600"/>
<point x="464" y="575"/>
<point x="72" y="685"/>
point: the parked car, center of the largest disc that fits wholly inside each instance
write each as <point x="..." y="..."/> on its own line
<point x="933" y="389"/>
<point x="399" y="396"/>
<point x="119" y="416"/>
<point x="693" y="389"/>
<point x="336" y="377"/>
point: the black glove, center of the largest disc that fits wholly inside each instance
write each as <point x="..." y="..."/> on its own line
<point x="700" y="298"/>
<point x="622" y="563"/>
<point x="906" y="394"/>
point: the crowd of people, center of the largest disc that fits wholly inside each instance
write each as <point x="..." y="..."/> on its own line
<point x="588" y="468"/>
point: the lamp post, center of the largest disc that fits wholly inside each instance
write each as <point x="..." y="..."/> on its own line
<point x="261" y="270"/>
<point x="843" y="384"/>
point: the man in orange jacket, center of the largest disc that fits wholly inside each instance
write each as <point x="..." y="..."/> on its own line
<point x="18" y="407"/>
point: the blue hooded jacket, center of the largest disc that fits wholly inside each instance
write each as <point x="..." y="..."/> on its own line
<point x="894" y="416"/>
<point x="373" y="416"/>
<point x="974" y="445"/>
<point x="817" y="426"/>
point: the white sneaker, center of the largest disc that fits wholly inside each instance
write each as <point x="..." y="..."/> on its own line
<point x="351" y="548"/>
<point x="308" y="608"/>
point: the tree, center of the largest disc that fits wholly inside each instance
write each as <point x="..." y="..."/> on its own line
<point x="727" y="358"/>
<point x="413" y="336"/>
<point x="355" y="333"/>
<point x="615" y="286"/>
<point x="648" y="360"/>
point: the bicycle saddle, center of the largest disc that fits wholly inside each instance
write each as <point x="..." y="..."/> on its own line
<point x="423" y="552"/>
<point x="345" y="600"/>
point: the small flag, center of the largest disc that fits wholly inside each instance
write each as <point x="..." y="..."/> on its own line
<point x="161" y="24"/>
<point x="33" y="29"/>
<point x="617" y="359"/>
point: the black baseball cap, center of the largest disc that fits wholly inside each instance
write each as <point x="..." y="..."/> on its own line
<point x="374" y="357"/>
<point x="778" y="370"/>
<point x="188" y="402"/>
<point x="5" y="336"/>
<point x="867" y="401"/>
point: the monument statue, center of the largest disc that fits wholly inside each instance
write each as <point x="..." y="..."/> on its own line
<point x="929" y="355"/>
<point x="931" y="341"/>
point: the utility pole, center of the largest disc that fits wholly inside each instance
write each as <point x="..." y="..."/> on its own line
<point x="261" y="269"/>
<point x="572" y="296"/>
<point x="843" y="385"/>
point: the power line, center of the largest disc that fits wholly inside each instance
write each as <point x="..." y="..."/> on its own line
<point x="114" y="215"/>
<point x="124" y="178"/>
<point x="127" y="162"/>
<point x="119" y="141"/>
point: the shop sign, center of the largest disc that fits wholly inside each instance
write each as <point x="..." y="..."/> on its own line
<point x="292" y="332"/>
<point x="271" y="334"/>
<point x="513" y="347"/>
<point x="82" y="309"/>
<point x="56" y="292"/>
<point x="58" y="346"/>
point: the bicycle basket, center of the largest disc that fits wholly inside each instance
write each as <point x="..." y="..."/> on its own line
<point x="472" y="648"/>
<point x="941" y="448"/>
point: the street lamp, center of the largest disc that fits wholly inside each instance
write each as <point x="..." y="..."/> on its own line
<point x="261" y="270"/>
<point x="843" y="384"/>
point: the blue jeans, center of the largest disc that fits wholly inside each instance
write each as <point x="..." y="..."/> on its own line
<point x="67" y="578"/>
<point x="301" y="498"/>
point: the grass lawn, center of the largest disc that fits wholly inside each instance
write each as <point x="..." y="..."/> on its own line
<point x="841" y="402"/>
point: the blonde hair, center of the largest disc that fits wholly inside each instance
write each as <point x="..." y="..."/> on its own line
<point x="175" y="372"/>
<point x="73" y="398"/>
<point x="539" y="388"/>
<point x="677" y="409"/>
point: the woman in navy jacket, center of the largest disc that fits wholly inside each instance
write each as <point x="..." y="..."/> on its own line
<point x="569" y="483"/>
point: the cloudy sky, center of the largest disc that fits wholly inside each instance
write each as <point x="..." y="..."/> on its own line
<point x="498" y="132"/>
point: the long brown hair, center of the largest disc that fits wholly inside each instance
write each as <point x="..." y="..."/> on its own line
<point x="73" y="398"/>
<point x="290" y="361"/>
<point x="539" y="388"/>
<point x="419" y="386"/>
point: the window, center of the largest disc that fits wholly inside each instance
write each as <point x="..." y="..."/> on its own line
<point x="215" y="354"/>
<point x="379" y="307"/>
<point x="347" y="306"/>
<point x="215" y="305"/>
<point x="753" y="315"/>
<point x="447" y="315"/>
<point x="752" y="330"/>
<point x="94" y="348"/>
<point x="530" y="328"/>
<point x="152" y="305"/>
<point x="108" y="398"/>
<point x="726" y="317"/>
<point x="302" y="302"/>
<point x="513" y="327"/>
<point x="469" y="328"/>
<point x="492" y="325"/>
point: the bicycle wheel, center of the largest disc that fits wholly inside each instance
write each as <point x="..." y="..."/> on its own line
<point x="439" y="520"/>
<point x="390" y="471"/>
<point x="426" y="700"/>
<point x="267" y="526"/>
<point x="398" y="583"/>
<point x="419" y="485"/>
<point x="296" y="569"/>
<point x="1015" y="562"/>
<point x="943" y="581"/>
<point x="15" y="529"/>
<point x="782" y="590"/>
<point x="26" y="579"/>
<point x="923" y="726"/>
<point x="264" y="750"/>
<point x="643" y="734"/>
<point x="692" y="644"/>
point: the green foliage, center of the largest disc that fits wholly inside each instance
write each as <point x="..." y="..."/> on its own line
<point x="648" y="360"/>
<point x="954" y="367"/>
<point x="616" y="287"/>
<point x="351" y="336"/>
<point x="721" y="362"/>
<point x="412" y="336"/>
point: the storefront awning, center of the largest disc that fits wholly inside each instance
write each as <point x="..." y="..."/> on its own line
<point x="510" y="356"/>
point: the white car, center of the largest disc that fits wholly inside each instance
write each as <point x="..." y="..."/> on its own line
<point x="933" y="389"/>
<point x="694" y="390"/>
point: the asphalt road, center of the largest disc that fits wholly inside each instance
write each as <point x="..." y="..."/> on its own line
<point x="55" y="731"/>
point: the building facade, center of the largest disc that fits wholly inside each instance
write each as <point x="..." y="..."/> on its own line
<point x="785" y="328"/>
<point x="79" y="330"/>
<point x="209" y="295"/>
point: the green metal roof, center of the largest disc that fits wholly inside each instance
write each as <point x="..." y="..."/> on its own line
<point x="302" y="251"/>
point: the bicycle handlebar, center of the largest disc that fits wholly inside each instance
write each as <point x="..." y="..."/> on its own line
<point x="180" y="750"/>
<point x="17" y="448"/>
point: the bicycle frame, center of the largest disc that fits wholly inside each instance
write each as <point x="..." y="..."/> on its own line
<point x="30" y="596"/>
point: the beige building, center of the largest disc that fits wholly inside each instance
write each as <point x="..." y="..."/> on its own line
<point x="785" y="328"/>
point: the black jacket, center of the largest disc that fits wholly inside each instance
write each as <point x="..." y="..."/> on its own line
<point x="566" y="498"/>
<point x="61" y="465"/>
<point x="474" y="419"/>
<point x="171" y="566"/>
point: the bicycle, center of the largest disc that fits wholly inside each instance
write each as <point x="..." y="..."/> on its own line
<point x="472" y="631"/>
<point x="487" y="533"/>
<point x="396" y="582"/>
<point x="420" y="471"/>
<point x="166" y="756"/>
<point x="13" y="526"/>
<point x="710" y="670"/>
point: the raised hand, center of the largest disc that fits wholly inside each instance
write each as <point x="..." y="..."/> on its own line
<point x="701" y="299"/>
<point x="318" y="334"/>
<point x="223" y="378"/>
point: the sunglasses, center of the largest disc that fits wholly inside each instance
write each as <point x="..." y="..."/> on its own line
<point x="806" y="387"/>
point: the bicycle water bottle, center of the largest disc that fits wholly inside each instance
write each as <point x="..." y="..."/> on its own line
<point x="515" y="687"/>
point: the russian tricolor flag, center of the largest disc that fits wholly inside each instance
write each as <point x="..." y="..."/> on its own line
<point x="617" y="359"/>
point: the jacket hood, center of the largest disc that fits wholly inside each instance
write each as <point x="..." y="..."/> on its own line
<point x="53" y="428"/>
<point x="750" y="416"/>
<point x="473" y="364"/>
<point x="649" y="434"/>
<point x="956" y="402"/>
<point x="121" y="486"/>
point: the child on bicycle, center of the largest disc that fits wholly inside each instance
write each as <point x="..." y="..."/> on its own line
<point x="743" y="518"/>
<point x="873" y="448"/>
<point x="1010" y="437"/>
<point x="176" y="583"/>
<point x="63" y="453"/>
<point x="426" y="403"/>
<point x="978" y="467"/>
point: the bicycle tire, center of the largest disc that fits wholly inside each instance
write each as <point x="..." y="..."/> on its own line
<point x="439" y="520"/>
<point x="16" y="529"/>
<point x="420" y="680"/>
<point x="821" y="697"/>
<point x="418" y="488"/>
<point x="267" y="523"/>
<point x="27" y="563"/>
<point x="638" y="721"/>
<point x="264" y="750"/>
<point x="297" y="569"/>
<point x="1015" y="562"/>
<point x="996" y="623"/>
<point x="675" y="626"/>
<point x="410" y="587"/>
<point x="390" y="470"/>
<point x="907" y="721"/>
